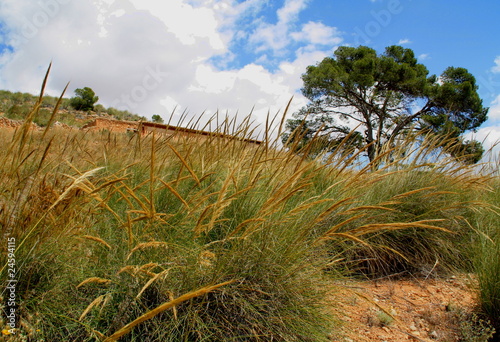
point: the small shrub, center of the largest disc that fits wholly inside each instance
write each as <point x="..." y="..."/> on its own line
<point x="474" y="329"/>
<point x="384" y="318"/>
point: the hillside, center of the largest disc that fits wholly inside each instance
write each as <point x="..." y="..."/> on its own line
<point x="17" y="105"/>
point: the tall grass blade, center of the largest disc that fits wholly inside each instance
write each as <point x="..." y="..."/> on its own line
<point x="150" y="314"/>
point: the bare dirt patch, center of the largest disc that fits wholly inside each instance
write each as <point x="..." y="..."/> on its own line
<point x="404" y="310"/>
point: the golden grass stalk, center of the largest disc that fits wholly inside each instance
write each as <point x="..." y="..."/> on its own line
<point x="346" y="236"/>
<point x="151" y="281"/>
<point x="242" y="224"/>
<point x="174" y="192"/>
<point x="76" y="183"/>
<point x="130" y="233"/>
<point x="206" y="258"/>
<point x="437" y="193"/>
<point x="171" y="298"/>
<point x="165" y="306"/>
<point x="29" y="119"/>
<point x="130" y="269"/>
<point x="94" y="280"/>
<point x="375" y="227"/>
<point x="333" y="207"/>
<point x="302" y="207"/>
<point x="96" y="239"/>
<point x="54" y="112"/>
<point x="95" y="302"/>
<point x="406" y="194"/>
<point x="152" y="176"/>
<point x="368" y="207"/>
<point x="144" y="245"/>
<point x="216" y="208"/>
<point x="45" y="153"/>
<point x="108" y="183"/>
<point x="134" y="196"/>
<point x="335" y="228"/>
<point x="133" y="270"/>
<point x="146" y="268"/>
<point x="183" y="161"/>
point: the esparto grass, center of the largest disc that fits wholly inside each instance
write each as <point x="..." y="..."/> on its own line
<point x="186" y="238"/>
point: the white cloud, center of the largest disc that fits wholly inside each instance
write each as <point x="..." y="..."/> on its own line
<point x="170" y="105"/>
<point x="494" y="112"/>
<point x="276" y="36"/>
<point x="496" y="68"/>
<point x="150" y="57"/>
<point x="490" y="138"/>
<point x="404" y="41"/>
<point x="202" y="23"/>
<point x="211" y="81"/>
<point x="252" y="87"/>
<point x="303" y="58"/>
<point x="279" y="37"/>
<point x="318" y="33"/>
<point x="290" y="11"/>
<point x="423" y="56"/>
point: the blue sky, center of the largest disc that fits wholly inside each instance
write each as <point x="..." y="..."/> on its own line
<point x="151" y="56"/>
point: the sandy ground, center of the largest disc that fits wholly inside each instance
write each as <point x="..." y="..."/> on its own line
<point x="403" y="310"/>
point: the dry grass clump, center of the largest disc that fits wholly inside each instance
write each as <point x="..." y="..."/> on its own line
<point x="185" y="238"/>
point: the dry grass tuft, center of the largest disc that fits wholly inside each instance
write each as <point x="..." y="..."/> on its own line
<point x="150" y="314"/>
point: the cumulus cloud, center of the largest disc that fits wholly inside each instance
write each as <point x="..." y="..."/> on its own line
<point x="174" y="17"/>
<point x="276" y="36"/>
<point x="288" y="39"/>
<point x="494" y="112"/>
<point x="404" y="41"/>
<point x="318" y="34"/>
<point x="290" y="11"/>
<point x="150" y="57"/>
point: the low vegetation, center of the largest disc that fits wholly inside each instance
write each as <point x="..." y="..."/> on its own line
<point x="185" y="238"/>
<point x="17" y="106"/>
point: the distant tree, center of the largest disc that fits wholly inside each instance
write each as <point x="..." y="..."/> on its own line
<point x="157" y="118"/>
<point x="387" y="95"/>
<point x="84" y="100"/>
<point x="99" y="108"/>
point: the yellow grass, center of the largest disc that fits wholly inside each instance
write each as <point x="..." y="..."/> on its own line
<point x="165" y="306"/>
<point x="94" y="280"/>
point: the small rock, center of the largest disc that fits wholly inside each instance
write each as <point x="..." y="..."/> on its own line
<point x="433" y="335"/>
<point x="413" y="327"/>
